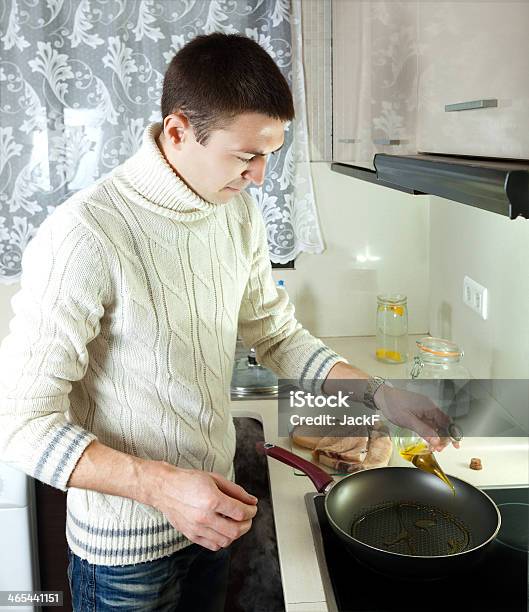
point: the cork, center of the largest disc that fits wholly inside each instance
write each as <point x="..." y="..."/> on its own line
<point x="475" y="464"/>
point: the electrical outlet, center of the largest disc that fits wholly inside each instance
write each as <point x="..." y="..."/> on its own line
<point x="475" y="296"/>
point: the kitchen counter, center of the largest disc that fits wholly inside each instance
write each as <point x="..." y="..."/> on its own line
<point x="505" y="462"/>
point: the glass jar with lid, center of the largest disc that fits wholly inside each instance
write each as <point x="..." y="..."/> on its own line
<point x="438" y="358"/>
<point x="392" y="328"/>
<point x="440" y="375"/>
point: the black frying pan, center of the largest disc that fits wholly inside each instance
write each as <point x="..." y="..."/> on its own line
<point x="402" y="520"/>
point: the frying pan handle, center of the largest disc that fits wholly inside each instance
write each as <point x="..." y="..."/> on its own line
<point x="319" y="477"/>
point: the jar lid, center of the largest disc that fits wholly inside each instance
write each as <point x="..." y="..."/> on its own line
<point x="439" y="347"/>
<point x="392" y="298"/>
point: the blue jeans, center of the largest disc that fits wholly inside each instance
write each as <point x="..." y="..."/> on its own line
<point x="191" y="579"/>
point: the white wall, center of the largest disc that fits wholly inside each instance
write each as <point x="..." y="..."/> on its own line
<point x="6" y="293"/>
<point x="334" y="293"/>
<point x="494" y="251"/>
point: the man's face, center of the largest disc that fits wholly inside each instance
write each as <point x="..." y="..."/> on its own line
<point x="233" y="157"/>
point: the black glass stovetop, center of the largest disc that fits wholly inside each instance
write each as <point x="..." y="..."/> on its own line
<point x="499" y="583"/>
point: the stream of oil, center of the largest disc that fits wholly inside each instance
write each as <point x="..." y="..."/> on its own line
<point x="412" y="529"/>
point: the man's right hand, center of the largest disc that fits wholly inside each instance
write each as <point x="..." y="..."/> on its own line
<point x="415" y="411"/>
<point x="207" y="508"/>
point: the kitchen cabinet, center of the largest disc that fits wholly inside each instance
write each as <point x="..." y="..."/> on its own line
<point x="374" y="62"/>
<point x="448" y="78"/>
<point x="473" y="52"/>
<point x="420" y="87"/>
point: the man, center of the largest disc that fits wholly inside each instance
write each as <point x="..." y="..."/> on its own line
<point x="114" y="380"/>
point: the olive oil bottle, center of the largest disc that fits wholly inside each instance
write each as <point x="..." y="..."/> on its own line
<point x="414" y="449"/>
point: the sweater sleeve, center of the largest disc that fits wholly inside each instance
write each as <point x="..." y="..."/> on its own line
<point x="56" y="314"/>
<point x="267" y="323"/>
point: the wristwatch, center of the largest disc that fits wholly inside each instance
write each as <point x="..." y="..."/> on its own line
<point x="373" y="383"/>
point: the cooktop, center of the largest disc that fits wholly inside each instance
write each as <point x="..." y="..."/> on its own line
<point x="499" y="583"/>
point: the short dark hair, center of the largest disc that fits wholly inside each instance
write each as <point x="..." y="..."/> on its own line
<point x="215" y="77"/>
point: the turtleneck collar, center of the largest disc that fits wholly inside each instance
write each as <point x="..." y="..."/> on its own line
<point x="148" y="179"/>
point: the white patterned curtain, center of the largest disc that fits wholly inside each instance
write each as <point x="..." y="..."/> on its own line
<point x="80" y="80"/>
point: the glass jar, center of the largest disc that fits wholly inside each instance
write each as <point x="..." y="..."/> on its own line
<point x="440" y="375"/>
<point x="392" y="328"/>
<point x="438" y="358"/>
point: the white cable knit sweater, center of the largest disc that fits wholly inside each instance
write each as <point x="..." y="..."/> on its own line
<point x="131" y="298"/>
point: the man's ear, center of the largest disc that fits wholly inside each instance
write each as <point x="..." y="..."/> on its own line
<point x="176" y="127"/>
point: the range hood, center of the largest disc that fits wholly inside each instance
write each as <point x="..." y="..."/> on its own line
<point x="497" y="185"/>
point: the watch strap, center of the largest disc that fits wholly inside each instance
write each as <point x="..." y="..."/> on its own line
<point x="373" y="383"/>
